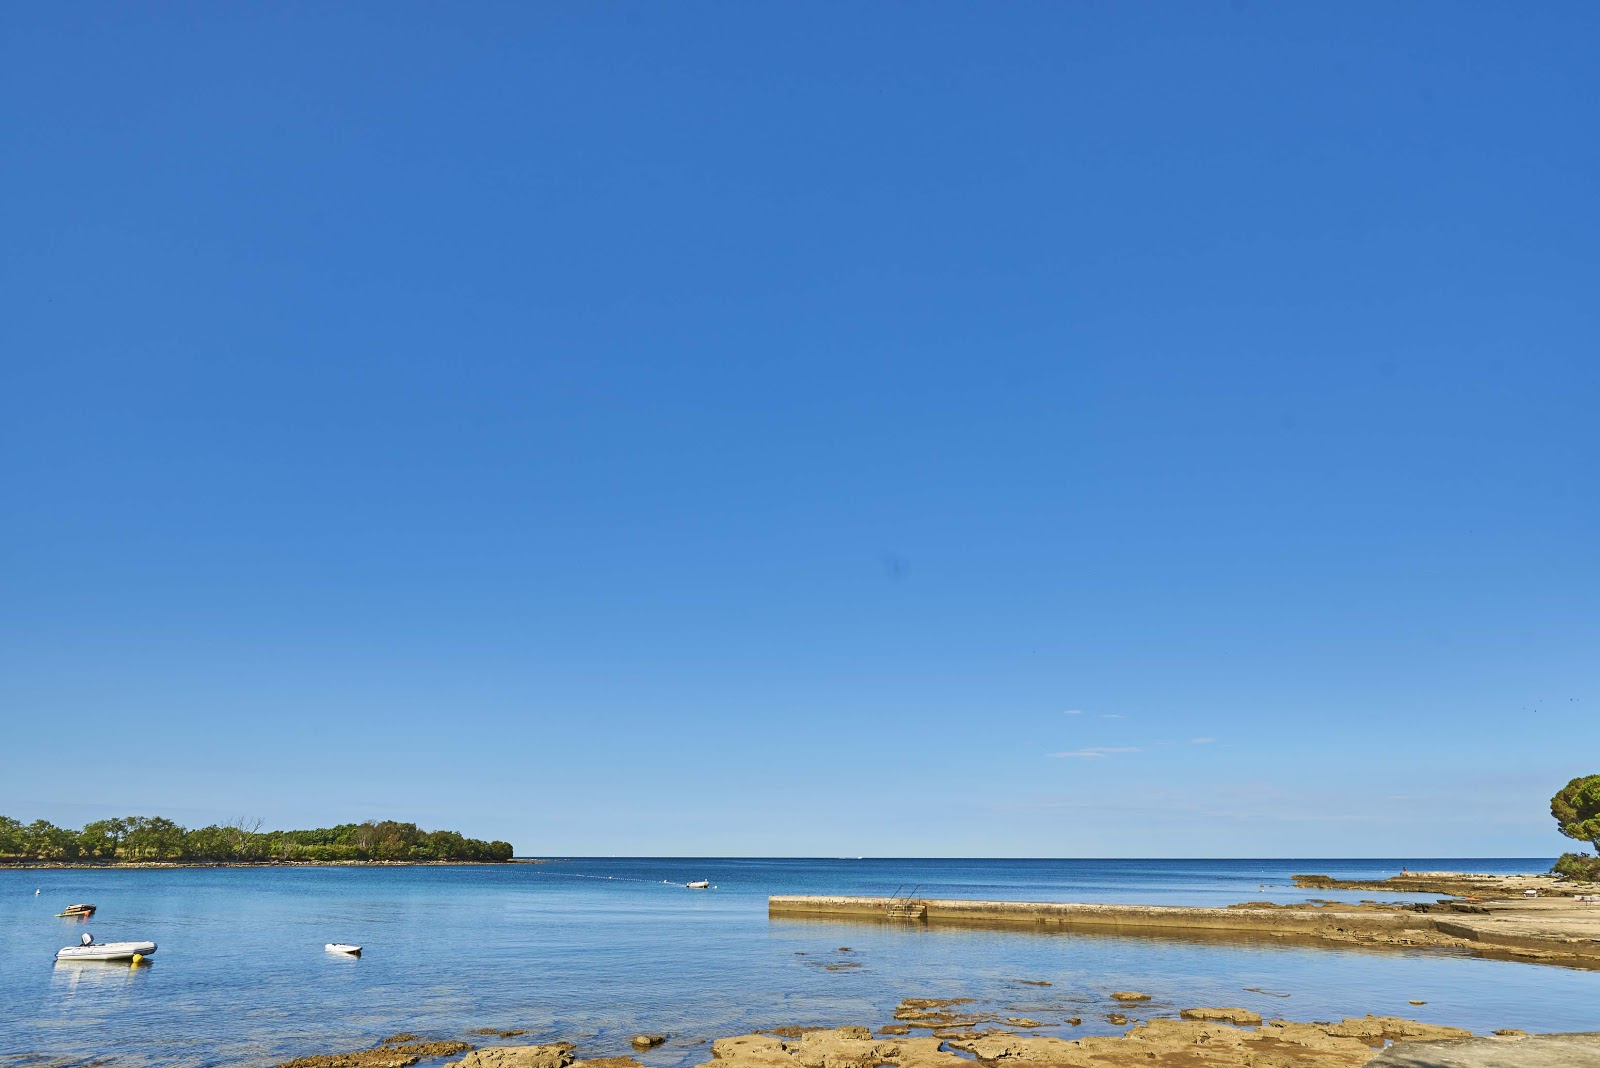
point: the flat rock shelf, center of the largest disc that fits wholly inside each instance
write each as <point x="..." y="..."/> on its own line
<point x="1504" y="929"/>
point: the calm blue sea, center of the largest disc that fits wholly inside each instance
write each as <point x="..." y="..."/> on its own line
<point x="595" y="950"/>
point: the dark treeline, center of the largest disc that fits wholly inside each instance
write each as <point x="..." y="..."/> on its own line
<point x="152" y="838"/>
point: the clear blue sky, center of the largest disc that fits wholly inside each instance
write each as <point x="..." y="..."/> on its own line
<point x="1031" y="429"/>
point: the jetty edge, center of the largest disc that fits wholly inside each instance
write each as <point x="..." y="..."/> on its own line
<point x="1562" y="932"/>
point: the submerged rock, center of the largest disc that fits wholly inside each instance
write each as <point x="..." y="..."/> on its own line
<point x="1129" y="995"/>
<point x="648" y="1041"/>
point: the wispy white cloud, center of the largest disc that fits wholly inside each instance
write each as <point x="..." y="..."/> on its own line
<point x="1201" y="741"/>
<point x="1111" y="715"/>
<point x="1097" y="752"/>
<point x="1073" y="712"/>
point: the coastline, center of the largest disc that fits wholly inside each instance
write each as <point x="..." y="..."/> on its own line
<point x="1198" y="1037"/>
<point x="107" y="865"/>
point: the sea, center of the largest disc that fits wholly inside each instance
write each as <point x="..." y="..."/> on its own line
<point x="596" y="950"/>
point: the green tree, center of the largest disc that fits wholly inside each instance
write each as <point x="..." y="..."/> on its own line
<point x="45" y="841"/>
<point x="1576" y="808"/>
<point x="102" y="838"/>
<point x="153" y="838"/>
<point x="11" y="837"/>
<point x="208" y="843"/>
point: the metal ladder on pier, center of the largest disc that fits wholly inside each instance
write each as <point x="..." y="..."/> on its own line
<point x="909" y="907"/>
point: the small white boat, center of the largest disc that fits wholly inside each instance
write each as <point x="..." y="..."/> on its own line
<point x="702" y="884"/>
<point x="106" y="951"/>
<point x="342" y="947"/>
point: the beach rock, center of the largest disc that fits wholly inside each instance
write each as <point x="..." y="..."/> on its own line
<point x="608" y="1062"/>
<point x="1374" y="1029"/>
<point x="1116" y="1019"/>
<point x="396" y="1052"/>
<point x="1031" y="982"/>
<point x="1129" y="995"/>
<point x="1414" y="1001"/>
<point x="496" y="1032"/>
<point x="556" y="1055"/>
<point x="648" y="1041"/>
<point x="1510" y="1032"/>
<point x="1228" y="1015"/>
<point x="751" y="1051"/>
<point x="1023" y="1021"/>
<point x="894" y="1029"/>
<point x="840" y="1047"/>
<point x="1075" y="1021"/>
<point x="1192" y="1044"/>
<point x="367" y="1058"/>
<point x="1189" y="1043"/>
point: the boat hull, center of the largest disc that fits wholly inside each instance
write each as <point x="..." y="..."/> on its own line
<point x="107" y="951"/>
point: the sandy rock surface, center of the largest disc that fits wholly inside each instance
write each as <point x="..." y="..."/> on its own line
<point x="557" y="1055"/>
<point x="1233" y="1015"/>
<point x="1159" y="1043"/>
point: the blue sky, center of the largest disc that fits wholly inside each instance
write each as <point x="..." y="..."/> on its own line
<point x="1038" y="429"/>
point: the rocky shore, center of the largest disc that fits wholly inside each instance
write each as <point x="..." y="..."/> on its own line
<point x="1202" y="1037"/>
<point x="1492" y="916"/>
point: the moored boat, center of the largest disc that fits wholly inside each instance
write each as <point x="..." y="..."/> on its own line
<point x="343" y="947"/>
<point x="701" y="884"/>
<point x="77" y="910"/>
<point x="89" y="949"/>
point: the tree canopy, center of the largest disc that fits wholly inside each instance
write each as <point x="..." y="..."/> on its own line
<point x="1576" y="808"/>
<point x="155" y="838"/>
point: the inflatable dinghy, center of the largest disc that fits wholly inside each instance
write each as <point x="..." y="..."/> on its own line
<point x="106" y="951"/>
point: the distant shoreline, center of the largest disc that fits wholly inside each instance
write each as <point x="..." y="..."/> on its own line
<point x="64" y="865"/>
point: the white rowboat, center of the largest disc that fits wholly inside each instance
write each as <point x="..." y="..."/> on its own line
<point x="703" y="884"/>
<point x="341" y="947"/>
<point x="107" y="951"/>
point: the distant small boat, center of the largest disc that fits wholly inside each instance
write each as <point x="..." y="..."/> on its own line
<point x="341" y="947"/>
<point x="702" y="884"/>
<point x="77" y="910"/>
<point x="91" y="950"/>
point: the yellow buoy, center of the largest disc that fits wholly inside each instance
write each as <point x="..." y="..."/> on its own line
<point x="138" y="958"/>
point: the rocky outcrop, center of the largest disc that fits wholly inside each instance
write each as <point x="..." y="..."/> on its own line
<point x="1374" y="1030"/>
<point x="556" y="1055"/>
<point x="396" y="1051"/>
<point x="1191" y="1043"/>
<point x="1233" y="1015"/>
<point x="841" y="1047"/>
<point x="648" y="1041"/>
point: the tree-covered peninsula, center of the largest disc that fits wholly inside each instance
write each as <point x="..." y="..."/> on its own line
<point x="153" y="839"/>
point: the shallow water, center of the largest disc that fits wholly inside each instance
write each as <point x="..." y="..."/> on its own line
<point x="596" y="950"/>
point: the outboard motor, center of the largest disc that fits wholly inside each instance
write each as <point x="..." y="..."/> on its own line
<point x="87" y="939"/>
